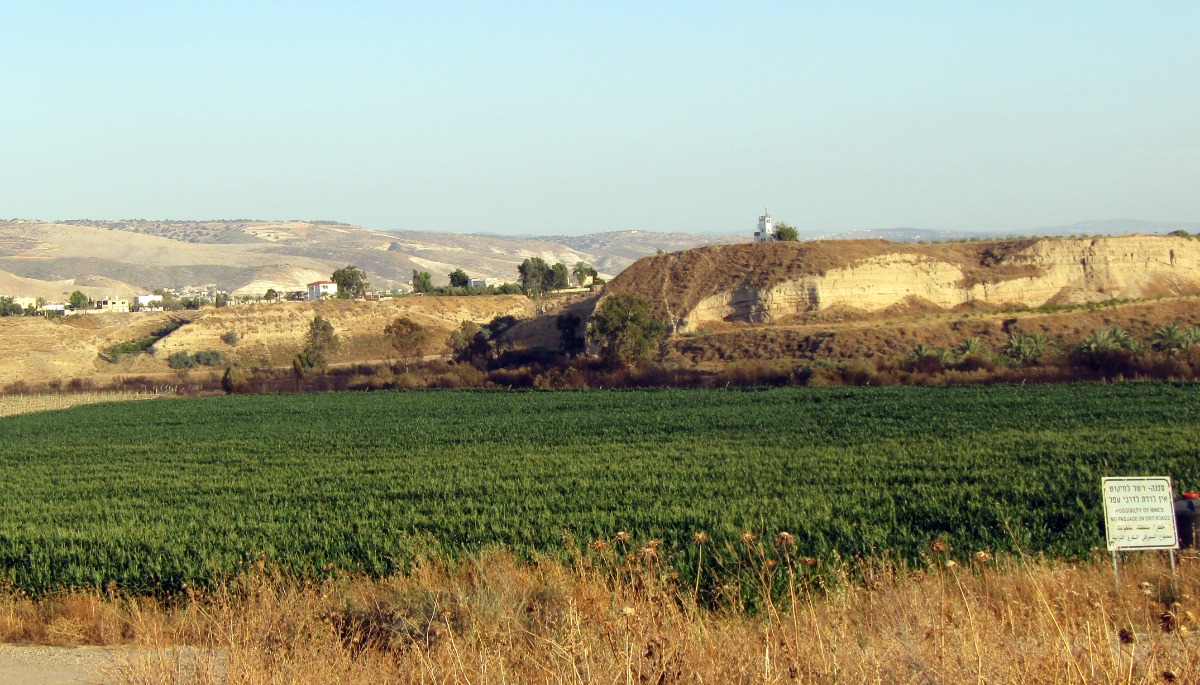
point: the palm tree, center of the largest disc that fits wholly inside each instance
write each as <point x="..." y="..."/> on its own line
<point x="1194" y="335"/>
<point x="923" y="351"/>
<point x="1121" y="339"/>
<point x="1026" y="349"/>
<point x="1014" y="345"/>
<point x="927" y="359"/>
<point x="582" y="272"/>
<point x="971" y="347"/>
<point x="1169" y="338"/>
<point x="1099" y="341"/>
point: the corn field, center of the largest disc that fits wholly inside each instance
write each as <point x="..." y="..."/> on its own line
<point x="161" y="496"/>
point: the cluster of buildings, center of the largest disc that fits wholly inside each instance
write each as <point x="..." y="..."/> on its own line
<point x="118" y="304"/>
<point x="110" y="304"/>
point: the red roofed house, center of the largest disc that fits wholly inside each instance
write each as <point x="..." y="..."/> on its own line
<point x="319" y="290"/>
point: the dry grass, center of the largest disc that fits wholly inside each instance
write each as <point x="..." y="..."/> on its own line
<point x="855" y="336"/>
<point x="10" y="405"/>
<point x="496" y="620"/>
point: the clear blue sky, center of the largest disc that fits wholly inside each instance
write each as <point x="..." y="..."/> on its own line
<point x="521" y="117"/>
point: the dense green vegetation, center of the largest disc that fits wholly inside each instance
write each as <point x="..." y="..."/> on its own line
<point x="115" y="352"/>
<point x="188" y="360"/>
<point x="153" y="495"/>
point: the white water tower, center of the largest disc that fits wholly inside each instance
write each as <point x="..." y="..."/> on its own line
<point x="766" y="228"/>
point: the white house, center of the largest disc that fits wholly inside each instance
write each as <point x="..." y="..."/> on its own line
<point x="766" y="228"/>
<point x="150" y="303"/>
<point x="485" y="282"/>
<point x="319" y="290"/>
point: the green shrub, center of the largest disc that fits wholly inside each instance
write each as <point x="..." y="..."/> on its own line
<point x="181" y="360"/>
<point x="185" y="360"/>
<point x="209" y="358"/>
<point x="114" y="353"/>
<point x="230" y="338"/>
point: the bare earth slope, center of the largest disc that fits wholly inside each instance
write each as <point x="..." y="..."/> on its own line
<point x="271" y="334"/>
<point x="37" y="350"/>
<point x="95" y="287"/>
<point x="767" y="282"/>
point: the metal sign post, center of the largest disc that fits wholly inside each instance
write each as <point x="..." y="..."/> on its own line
<point x="1139" y="514"/>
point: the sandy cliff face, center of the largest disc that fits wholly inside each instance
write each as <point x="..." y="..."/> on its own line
<point x="869" y="276"/>
<point x="1081" y="270"/>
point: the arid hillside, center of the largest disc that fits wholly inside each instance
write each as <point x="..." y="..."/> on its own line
<point x="95" y="287"/>
<point x="788" y="304"/>
<point x="248" y="257"/>
<point x="37" y="351"/>
<point x="773" y="281"/>
<point x="271" y="334"/>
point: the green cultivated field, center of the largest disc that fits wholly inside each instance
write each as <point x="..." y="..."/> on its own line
<point x="155" y="494"/>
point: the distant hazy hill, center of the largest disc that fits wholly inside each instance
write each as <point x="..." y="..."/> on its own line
<point x="251" y="256"/>
<point x="896" y="235"/>
<point x="243" y="256"/>
<point x="1088" y="228"/>
<point x="1119" y="227"/>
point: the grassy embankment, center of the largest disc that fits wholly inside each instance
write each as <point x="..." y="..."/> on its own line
<point x="491" y="619"/>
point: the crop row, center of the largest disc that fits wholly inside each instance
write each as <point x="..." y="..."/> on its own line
<point x="155" y="495"/>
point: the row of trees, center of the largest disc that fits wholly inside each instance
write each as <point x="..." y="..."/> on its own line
<point x="460" y="284"/>
<point x="538" y="277"/>
<point x="622" y="329"/>
<point x="9" y="307"/>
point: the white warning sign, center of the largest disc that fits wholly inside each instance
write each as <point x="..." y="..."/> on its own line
<point x="1139" y="513"/>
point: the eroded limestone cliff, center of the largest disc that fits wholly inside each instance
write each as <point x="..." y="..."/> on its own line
<point x="766" y="282"/>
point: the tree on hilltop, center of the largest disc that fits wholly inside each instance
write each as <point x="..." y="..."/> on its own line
<point x="351" y="282"/>
<point x="459" y="279"/>
<point x="538" y="277"/>
<point x="533" y="273"/>
<point x="421" y="281"/>
<point x="784" y="232"/>
<point x="79" y="301"/>
<point x="559" y="277"/>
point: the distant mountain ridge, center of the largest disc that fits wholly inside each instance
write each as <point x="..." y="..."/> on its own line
<point x="1083" y="228"/>
<point x="247" y="257"/>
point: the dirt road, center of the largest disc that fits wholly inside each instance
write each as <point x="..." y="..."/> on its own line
<point x="40" y="665"/>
